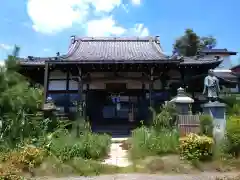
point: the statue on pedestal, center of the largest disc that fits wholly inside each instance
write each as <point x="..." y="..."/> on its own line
<point x="211" y="86"/>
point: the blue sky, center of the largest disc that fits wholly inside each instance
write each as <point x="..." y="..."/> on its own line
<point x="44" y="27"/>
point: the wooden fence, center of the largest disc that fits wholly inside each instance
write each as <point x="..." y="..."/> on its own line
<point x="188" y="124"/>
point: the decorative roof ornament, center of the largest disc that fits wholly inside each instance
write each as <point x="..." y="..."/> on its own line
<point x="73" y="39"/>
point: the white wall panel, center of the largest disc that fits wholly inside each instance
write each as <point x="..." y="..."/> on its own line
<point x="57" y="85"/>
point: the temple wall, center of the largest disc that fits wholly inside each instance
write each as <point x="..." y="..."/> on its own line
<point x="57" y="81"/>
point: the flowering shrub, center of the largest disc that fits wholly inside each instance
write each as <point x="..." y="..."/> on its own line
<point x="194" y="147"/>
<point x="24" y="160"/>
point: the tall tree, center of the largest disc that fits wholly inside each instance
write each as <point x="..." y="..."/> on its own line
<point x="190" y="43"/>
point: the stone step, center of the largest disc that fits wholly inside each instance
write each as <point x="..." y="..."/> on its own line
<point x="117" y="156"/>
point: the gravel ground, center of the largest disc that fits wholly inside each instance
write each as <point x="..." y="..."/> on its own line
<point x="200" y="176"/>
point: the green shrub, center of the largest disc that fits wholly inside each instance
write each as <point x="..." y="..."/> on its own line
<point x="233" y="104"/>
<point x="195" y="147"/>
<point x="87" y="146"/>
<point x="146" y="142"/>
<point x="232" y="145"/>
<point x="206" y="125"/>
<point x="166" y="119"/>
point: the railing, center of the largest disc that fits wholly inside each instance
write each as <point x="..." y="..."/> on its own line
<point x="188" y="124"/>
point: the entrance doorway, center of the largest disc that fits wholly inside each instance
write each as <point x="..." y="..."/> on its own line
<point x="106" y="117"/>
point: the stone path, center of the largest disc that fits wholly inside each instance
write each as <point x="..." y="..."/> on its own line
<point x="117" y="155"/>
<point x="199" y="176"/>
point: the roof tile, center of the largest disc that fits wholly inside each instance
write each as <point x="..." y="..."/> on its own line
<point x="115" y="49"/>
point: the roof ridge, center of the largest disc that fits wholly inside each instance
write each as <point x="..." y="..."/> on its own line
<point x="133" y="38"/>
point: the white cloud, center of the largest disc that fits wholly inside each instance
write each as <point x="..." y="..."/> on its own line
<point x="105" y="5"/>
<point x="6" y="47"/>
<point x="107" y="27"/>
<point x="104" y="27"/>
<point x="136" y="2"/>
<point x="52" y="16"/>
<point x="49" y="16"/>
<point x="139" y="30"/>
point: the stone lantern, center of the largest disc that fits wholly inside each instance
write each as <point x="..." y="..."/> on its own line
<point x="182" y="102"/>
<point x="49" y="108"/>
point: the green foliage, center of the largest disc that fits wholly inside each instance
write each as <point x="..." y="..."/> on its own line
<point x="166" y="119"/>
<point x="206" y="125"/>
<point x="147" y="141"/>
<point x="232" y="145"/>
<point x="87" y="146"/>
<point x="234" y="110"/>
<point x="19" y="105"/>
<point x="190" y="43"/>
<point x="90" y="167"/>
<point x="194" y="147"/>
<point x="17" y="127"/>
<point x="233" y="104"/>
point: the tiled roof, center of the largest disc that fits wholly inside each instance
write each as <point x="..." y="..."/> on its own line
<point x="218" y="51"/>
<point x="118" y="50"/>
<point x="201" y="60"/>
<point x="227" y="76"/>
<point x="115" y="49"/>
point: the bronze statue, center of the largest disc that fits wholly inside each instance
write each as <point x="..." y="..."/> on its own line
<point x="211" y="86"/>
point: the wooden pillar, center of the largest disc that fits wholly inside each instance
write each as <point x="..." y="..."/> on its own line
<point x="79" y="103"/>
<point x="151" y="88"/>
<point x="182" y="72"/>
<point x="46" y="81"/>
<point x="86" y="102"/>
<point x="143" y="86"/>
<point x="163" y="80"/>
<point x="67" y="90"/>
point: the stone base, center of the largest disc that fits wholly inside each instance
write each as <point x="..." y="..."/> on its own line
<point x="217" y="111"/>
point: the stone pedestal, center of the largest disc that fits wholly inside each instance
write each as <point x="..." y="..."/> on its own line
<point x="217" y="111"/>
<point x="182" y="102"/>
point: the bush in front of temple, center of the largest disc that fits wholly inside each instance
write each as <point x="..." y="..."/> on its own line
<point x="147" y="141"/>
<point x="232" y="143"/>
<point x="206" y="125"/>
<point x="195" y="147"/>
<point x="87" y="146"/>
<point x="166" y="118"/>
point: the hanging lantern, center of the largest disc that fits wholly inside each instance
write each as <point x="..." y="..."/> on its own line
<point x="118" y="104"/>
<point x="116" y="100"/>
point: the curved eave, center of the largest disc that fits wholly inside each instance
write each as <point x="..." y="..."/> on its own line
<point x="212" y="63"/>
<point x="123" y="61"/>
